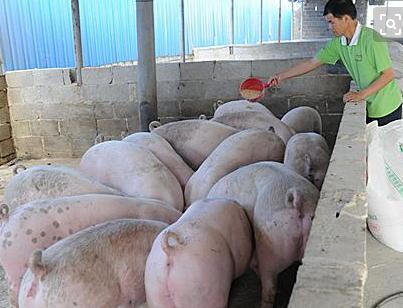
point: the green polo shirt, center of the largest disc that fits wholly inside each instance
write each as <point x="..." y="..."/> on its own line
<point x="365" y="60"/>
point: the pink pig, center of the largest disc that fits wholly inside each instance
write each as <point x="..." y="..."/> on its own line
<point x="281" y="204"/>
<point x="101" y="267"/>
<point x="194" y="261"/>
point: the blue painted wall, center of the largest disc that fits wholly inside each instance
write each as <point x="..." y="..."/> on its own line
<point x="38" y="33"/>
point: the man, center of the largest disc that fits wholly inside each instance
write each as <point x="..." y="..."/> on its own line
<point x="365" y="54"/>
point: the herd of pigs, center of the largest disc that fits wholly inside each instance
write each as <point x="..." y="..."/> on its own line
<point x="169" y="217"/>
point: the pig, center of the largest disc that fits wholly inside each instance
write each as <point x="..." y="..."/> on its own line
<point x="308" y="155"/>
<point x="240" y="106"/>
<point x="101" y="266"/>
<point x="133" y="170"/>
<point x="303" y="119"/>
<point x="43" y="182"/>
<point x="39" y="224"/>
<point x="194" y="140"/>
<point x="164" y="152"/>
<point x="243" y="148"/>
<point x="193" y="262"/>
<point x="253" y="119"/>
<point x="281" y="205"/>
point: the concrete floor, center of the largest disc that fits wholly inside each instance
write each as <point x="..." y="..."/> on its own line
<point x="385" y="275"/>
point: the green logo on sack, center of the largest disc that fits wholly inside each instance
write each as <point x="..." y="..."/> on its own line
<point x="401" y="147"/>
<point x="394" y="179"/>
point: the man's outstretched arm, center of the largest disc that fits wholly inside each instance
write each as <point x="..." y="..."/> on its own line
<point x="298" y="70"/>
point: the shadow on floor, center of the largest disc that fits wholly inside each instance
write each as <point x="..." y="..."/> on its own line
<point x="245" y="291"/>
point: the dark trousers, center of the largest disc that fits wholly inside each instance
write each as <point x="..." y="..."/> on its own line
<point x="395" y="115"/>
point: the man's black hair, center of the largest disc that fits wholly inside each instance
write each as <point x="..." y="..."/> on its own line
<point x="340" y="8"/>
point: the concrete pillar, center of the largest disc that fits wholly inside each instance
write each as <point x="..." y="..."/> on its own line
<point x="78" y="51"/>
<point x="146" y="74"/>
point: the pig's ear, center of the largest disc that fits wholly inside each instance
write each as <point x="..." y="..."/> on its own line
<point x="294" y="198"/>
<point x="153" y="125"/>
<point x="37" y="266"/>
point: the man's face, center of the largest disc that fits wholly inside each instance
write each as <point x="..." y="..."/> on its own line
<point x="336" y="25"/>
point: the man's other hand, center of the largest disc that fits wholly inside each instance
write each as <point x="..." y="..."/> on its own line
<point x="353" y="97"/>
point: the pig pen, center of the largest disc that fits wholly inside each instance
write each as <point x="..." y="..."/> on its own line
<point x="52" y="118"/>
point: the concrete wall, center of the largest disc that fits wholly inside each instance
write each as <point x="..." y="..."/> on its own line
<point x="7" y="151"/>
<point x="51" y="117"/>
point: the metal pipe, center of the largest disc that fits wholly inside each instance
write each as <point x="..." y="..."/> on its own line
<point x="261" y="21"/>
<point x="146" y="67"/>
<point x="302" y="18"/>
<point x="279" y="21"/>
<point x="183" y="46"/>
<point x="231" y="48"/>
<point x="292" y="19"/>
<point x="78" y="51"/>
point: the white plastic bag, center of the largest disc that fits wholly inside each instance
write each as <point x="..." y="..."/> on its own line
<point x="385" y="183"/>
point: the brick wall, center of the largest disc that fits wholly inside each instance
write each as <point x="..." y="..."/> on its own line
<point x="313" y="23"/>
<point x="51" y="117"/>
<point x="7" y="151"/>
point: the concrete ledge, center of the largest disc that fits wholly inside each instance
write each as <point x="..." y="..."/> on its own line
<point x="334" y="267"/>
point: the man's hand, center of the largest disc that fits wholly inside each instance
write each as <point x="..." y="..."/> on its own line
<point x="274" y="81"/>
<point x="353" y="97"/>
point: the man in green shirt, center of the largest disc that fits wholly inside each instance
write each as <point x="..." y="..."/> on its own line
<point x="365" y="55"/>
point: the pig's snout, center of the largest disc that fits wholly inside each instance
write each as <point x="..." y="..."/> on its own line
<point x="170" y="241"/>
